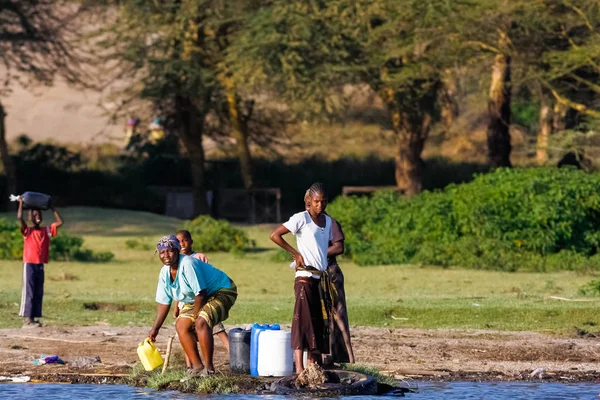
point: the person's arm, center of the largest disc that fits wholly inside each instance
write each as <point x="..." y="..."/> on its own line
<point x="202" y="257"/>
<point x="277" y="238"/>
<point x="162" y="310"/>
<point x="163" y="301"/>
<point x="176" y="311"/>
<point x="57" y="217"/>
<point x="335" y="249"/>
<point x="20" y="217"/>
<point x="337" y="239"/>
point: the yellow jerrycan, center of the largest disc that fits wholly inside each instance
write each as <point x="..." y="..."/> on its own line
<point x="149" y="355"/>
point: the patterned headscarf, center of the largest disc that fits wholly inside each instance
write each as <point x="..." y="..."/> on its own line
<point x="168" y="242"/>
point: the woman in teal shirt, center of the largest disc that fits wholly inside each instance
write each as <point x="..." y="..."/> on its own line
<point x="205" y="295"/>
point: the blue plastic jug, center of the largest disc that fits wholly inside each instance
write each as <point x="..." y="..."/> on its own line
<point x="256" y="330"/>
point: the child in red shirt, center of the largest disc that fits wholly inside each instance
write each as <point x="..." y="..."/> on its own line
<point x="35" y="254"/>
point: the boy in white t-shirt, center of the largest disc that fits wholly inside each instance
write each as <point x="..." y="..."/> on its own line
<point x="312" y="229"/>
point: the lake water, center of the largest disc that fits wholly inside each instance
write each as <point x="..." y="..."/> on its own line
<point x="426" y="390"/>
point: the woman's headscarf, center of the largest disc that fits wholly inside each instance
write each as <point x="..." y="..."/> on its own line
<point x="168" y="242"/>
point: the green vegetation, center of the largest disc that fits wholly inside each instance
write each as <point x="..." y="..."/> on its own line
<point x="63" y="247"/>
<point x="178" y="379"/>
<point x="136" y="244"/>
<point x="212" y="235"/>
<point x="372" y="371"/>
<point x="591" y="289"/>
<point x="509" y="220"/>
<point x="391" y="296"/>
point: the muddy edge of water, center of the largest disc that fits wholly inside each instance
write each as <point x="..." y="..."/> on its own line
<point x="555" y="376"/>
<point x="412" y="354"/>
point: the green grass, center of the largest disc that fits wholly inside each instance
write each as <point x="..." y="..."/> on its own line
<point x="372" y="371"/>
<point x="390" y="296"/>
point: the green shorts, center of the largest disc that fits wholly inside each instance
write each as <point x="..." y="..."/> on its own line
<point x="215" y="310"/>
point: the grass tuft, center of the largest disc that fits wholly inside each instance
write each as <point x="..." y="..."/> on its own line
<point x="372" y="371"/>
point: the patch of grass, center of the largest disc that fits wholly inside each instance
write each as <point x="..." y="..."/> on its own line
<point x="64" y="276"/>
<point x="217" y="384"/>
<point x="280" y="256"/>
<point x="16" y="347"/>
<point x="178" y="379"/>
<point x="590" y="289"/>
<point x="169" y="380"/>
<point x="372" y="371"/>
<point x="137" y="376"/>
<point x="135" y="244"/>
<point x="394" y="296"/>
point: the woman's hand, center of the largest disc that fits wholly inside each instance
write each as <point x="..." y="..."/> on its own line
<point x="299" y="261"/>
<point x="153" y="334"/>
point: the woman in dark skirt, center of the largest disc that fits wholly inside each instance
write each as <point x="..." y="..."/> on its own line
<point x="312" y="229"/>
<point x="340" y="345"/>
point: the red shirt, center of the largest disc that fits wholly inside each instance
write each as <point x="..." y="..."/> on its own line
<point x="37" y="244"/>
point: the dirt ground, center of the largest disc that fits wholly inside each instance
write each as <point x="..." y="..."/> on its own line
<point x="445" y="355"/>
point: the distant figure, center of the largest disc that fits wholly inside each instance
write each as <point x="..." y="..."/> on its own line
<point x="207" y="295"/>
<point x="36" y="247"/>
<point x="312" y="229"/>
<point x="186" y="242"/>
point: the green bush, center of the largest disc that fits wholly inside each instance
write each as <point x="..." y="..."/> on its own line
<point x="212" y="235"/>
<point x="590" y="289"/>
<point x="11" y="240"/>
<point x="512" y="219"/>
<point x="135" y="244"/>
<point x="63" y="247"/>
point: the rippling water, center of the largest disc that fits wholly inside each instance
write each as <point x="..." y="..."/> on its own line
<point x="426" y="390"/>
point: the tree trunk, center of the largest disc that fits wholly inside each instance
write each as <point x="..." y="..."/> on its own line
<point x="448" y="102"/>
<point x="543" y="136"/>
<point x="7" y="161"/>
<point x="498" y="131"/>
<point x="190" y="126"/>
<point x="559" y="119"/>
<point x="239" y="131"/>
<point x="412" y="128"/>
<point x="409" y="164"/>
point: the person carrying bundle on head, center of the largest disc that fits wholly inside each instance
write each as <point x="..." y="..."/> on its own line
<point x="36" y="248"/>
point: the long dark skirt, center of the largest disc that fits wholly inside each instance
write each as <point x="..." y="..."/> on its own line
<point x="308" y="329"/>
<point x="339" y="328"/>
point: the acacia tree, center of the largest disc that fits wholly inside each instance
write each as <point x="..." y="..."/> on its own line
<point x="306" y="50"/>
<point x="172" y="52"/>
<point x="35" y="46"/>
<point x="548" y="47"/>
<point x="572" y="67"/>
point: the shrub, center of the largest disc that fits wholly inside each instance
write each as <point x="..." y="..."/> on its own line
<point x="591" y="288"/>
<point x="11" y="240"/>
<point x="211" y="235"/>
<point x="538" y="219"/>
<point x="136" y="244"/>
<point x="63" y="247"/>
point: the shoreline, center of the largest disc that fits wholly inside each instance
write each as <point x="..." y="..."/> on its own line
<point x="404" y="354"/>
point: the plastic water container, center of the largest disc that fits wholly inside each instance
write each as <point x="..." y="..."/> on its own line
<point x="239" y="350"/>
<point x="275" y="356"/>
<point x="255" y="334"/>
<point x="149" y="355"/>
